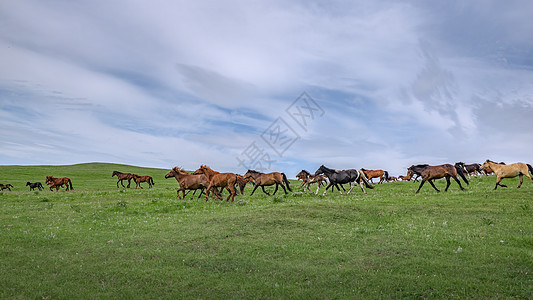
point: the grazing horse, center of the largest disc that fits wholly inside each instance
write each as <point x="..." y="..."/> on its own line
<point x="35" y="185"/>
<point x="241" y="182"/>
<point x="138" y="179"/>
<point x="54" y="182"/>
<point x="267" y="179"/>
<point x="429" y="173"/>
<point x="221" y="180"/>
<point x="5" y="186"/>
<point x="508" y="171"/>
<point x="308" y="179"/>
<point x="188" y="181"/>
<point x="123" y="176"/>
<point x="470" y="169"/>
<point x="382" y="175"/>
<point x="345" y="176"/>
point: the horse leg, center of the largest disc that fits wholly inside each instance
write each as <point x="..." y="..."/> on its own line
<point x="129" y="183"/>
<point x="255" y="187"/>
<point x="362" y="187"/>
<point x="327" y="187"/>
<point x="459" y="183"/>
<point x="447" y="183"/>
<point x="276" y="189"/>
<point x="498" y="179"/>
<point x="521" y="180"/>
<point x="337" y="186"/>
<point x="263" y="188"/>
<point x="283" y="188"/>
<point x="419" y="187"/>
<point x="433" y="185"/>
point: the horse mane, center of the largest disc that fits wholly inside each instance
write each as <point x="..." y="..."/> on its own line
<point x="305" y="172"/>
<point x="254" y="171"/>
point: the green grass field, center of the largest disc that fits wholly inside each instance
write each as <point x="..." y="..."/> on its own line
<point x="102" y="242"/>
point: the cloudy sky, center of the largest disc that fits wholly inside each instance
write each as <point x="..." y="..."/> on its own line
<point x="277" y="85"/>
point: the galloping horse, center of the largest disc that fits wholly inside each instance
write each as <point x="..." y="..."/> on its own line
<point x="188" y="181"/>
<point x="266" y="179"/>
<point x="54" y="182"/>
<point x="308" y="179"/>
<point x="508" y="171"/>
<point x="382" y="175"/>
<point x="470" y="169"/>
<point x="123" y="176"/>
<point x="345" y="176"/>
<point x="138" y="179"/>
<point x="428" y="173"/>
<point x="216" y="179"/>
<point x="5" y="186"/>
<point x="35" y="185"/>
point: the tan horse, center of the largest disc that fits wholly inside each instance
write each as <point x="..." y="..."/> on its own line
<point x="188" y="181"/>
<point x="382" y="175"/>
<point x="218" y="180"/>
<point x="267" y="179"/>
<point x="508" y="171"/>
<point x="54" y="182"/>
<point x="138" y="179"/>
<point x="308" y="179"/>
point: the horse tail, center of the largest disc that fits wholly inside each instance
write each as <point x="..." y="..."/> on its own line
<point x="365" y="180"/>
<point x="462" y="174"/>
<point x="286" y="181"/>
<point x="70" y="182"/>
<point x="151" y="180"/>
<point x="386" y="176"/>
<point x="530" y="168"/>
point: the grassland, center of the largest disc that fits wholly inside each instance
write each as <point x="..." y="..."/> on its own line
<point x="102" y="242"/>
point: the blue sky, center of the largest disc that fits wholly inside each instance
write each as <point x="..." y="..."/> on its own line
<point x="166" y="83"/>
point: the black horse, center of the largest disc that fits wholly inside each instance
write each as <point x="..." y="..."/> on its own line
<point x="470" y="169"/>
<point x="35" y="185"/>
<point x="345" y="176"/>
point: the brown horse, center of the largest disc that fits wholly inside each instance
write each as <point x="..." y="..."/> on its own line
<point x="382" y="175"/>
<point x="188" y="181"/>
<point x="308" y="179"/>
<point x="138" y="179"/>
<point x="267" y="179"/>
<point x="218" y="180"/>
<point x="429" y="173"/>
<point x="508" y="171"/>
<point x="5" y="186"/>
<point x="123" y="176"/>
<point x="54" y="182"/>
<point x="407" y="177"/>
<point x="241" y="182"/>
<point x="392" y="178"/>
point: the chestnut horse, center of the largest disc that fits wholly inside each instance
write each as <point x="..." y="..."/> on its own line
<point x="382" y="175"/>
<point x="5" y="186"/>
<point x="123" y="176"/>
<point x="307" y="179"/>
<point x="54" y="182"/>
<point x="188" y="181"/>
<point x="267" y="179"/>
<point x="138" y="179"/>
<point x="217" y="179"/>
<point x="428" y="173"/>
<point x="241" y="182"/>
<point x="508" y="171"/>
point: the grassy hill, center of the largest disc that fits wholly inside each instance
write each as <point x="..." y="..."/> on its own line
<point x="100" y="242"/>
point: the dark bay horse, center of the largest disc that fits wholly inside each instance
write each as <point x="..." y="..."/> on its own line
<point x="470" y="169"/>
<point x="345" y="176"/>
<point x="382" y="175"/>
<point x="267" y="179"/>
<point x="5" y="186"/>
<point x="508" y="171"/>
<point x="219" y="180"/>
<point x="429" y="173"/>
<point x="308" y="179"/>
<point x="54" y="182"/>
<point x="188" y="181"/>
<point x="123" y="176"/>
<point x="138" y="179"/>
<point x="35" y="185"/>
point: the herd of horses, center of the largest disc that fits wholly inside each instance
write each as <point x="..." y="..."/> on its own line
<point x="212" y="182"/>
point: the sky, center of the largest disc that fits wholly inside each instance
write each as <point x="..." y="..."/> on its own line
<point x="266" y="85"/>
